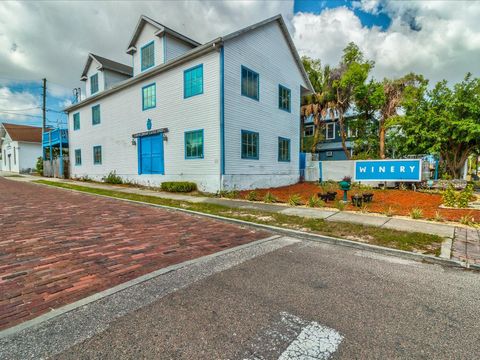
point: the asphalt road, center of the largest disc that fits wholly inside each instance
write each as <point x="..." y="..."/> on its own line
<point x="366" y="306"/>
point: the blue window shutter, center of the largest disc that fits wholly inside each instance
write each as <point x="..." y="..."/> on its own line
<point x="93" y="84"/>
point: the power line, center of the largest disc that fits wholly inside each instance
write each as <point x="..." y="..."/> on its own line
<point x="26" y="109"/>
<point x="27" y="115"/>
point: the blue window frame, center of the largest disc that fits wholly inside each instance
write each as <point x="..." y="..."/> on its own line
<point x="193" y="81"/>
<point x="194" y="144"/>
<point x="150" y="154"/>
<point x="250" y="83"/>
<point x="93" y="84"/>
<point x="250" y="145"/>
<point x="97" y="155"/>
<point x="147" y="56"/>
<point x="149" y="96"/>
<point x="78" y="157"/>
<point x="283" y="149"/>
<point x="284" y="98"/>
<point x="96" y="115"/>
<point x="76" y="121"/>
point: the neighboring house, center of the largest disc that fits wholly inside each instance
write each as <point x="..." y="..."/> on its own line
<point x="224" y="114"/>
<point x="330" y="148"/>
<point x="20" y="146"/>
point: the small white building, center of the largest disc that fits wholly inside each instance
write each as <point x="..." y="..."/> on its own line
<point x="224" y="114"/>
<point x="20" y="147"/>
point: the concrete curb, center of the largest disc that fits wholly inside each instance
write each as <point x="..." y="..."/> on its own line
<point x="307" y="236"/>
<point x="102" y="294"/>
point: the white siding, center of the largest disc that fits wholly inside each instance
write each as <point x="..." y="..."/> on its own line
<point x="28" y="155"/>
<point x="175" y="47"/>
<point x="265" y="51"/>
<point x="111" y="78"/>
<point x="146" y="36"/>
<point x="122" y="116"/>
<point x="19" y="156"/>
<point x="92" y="70"/>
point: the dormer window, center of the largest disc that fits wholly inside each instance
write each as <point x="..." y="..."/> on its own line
<point x="93" y="84"/>
<point x="147" y="56"/>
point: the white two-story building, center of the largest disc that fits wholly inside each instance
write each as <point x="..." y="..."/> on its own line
<point x="224" y="114"/>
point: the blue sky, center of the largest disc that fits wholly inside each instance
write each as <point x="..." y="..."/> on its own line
<point x="316" y="7"/>
<point x="30" y="112"/>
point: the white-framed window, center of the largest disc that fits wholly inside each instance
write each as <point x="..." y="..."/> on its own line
<point x="308" y="130"/>
<point x="330" y="131"/>
<point x="352" y="133"/>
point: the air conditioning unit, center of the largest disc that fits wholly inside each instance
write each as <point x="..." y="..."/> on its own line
<point x="329" y="153"/>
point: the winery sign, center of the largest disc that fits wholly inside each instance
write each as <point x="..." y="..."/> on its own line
<point x="388" y="170"/>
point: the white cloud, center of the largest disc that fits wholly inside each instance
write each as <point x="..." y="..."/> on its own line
<point x="18" y="105"/>
<point x="446" y="45"/>
<point x="52" y="39"/>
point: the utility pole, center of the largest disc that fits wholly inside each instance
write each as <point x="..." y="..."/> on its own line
<point x="44" y="110"/>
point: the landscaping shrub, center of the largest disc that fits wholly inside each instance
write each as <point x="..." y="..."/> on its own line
<point x="389" y="211"/>
<point x="314" y="201"/>
<point x="467" y="220"/>
<point x="449" y="196"/>
<point x="464" y="197"/>
<point x="416" y="213"/>
<point x="269" y="198"/>
<point x="252" y="196"/>
<point x="178" y="186"/>
<point x="438" y="217"/>
<point x="112" y="178"/>
<point x="229" y="194"/>
<point x="295" y="200"/>
<point x="39" y="165"/>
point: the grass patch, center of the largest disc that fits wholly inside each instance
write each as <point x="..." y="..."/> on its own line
<point x="401" y="240"/>
<point x="13" y="175"/>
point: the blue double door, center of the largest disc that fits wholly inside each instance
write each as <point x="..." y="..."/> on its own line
<point x="150" y="155"/>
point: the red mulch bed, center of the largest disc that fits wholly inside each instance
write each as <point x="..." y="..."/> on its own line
<point x="400" y="202"/>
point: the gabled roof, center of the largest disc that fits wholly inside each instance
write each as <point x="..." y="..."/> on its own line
<point x="191" y="54"/>
<point x="161" y="29"/>
<point x="23" y="132"/>
<point x="286" y="33"/>
<point x="106" y="64"/>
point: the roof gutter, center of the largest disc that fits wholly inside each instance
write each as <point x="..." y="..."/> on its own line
<point x="192" y="54"/>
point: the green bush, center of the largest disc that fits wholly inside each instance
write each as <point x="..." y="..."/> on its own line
<point x="295" y="200"/>
<point x="229" y="194"/>
<point x="464" y="197"/>
<point x="39" y="165"/>
<point x="449" y="196"/>
<point x="314" y="201"/>
<point x="178" y="186"/>
<point x="112" y="178"/>
<point x="252" y="196"/>
<point x="269" y="198"/>
<point x="416" y="213"/>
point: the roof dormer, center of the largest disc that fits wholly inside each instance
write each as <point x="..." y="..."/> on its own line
<point x="153" y="44"/>
<point x="101" y="74"/>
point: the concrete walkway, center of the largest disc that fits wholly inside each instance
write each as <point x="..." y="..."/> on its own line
<point x="394" y="223"/>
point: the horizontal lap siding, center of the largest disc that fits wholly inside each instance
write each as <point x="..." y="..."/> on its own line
<point x="265" y="51"/>
<point x="176" y="47"/>
<point x="122" y="116"/>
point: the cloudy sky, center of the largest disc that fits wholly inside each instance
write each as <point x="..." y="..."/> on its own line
<point x="440" y="39"/>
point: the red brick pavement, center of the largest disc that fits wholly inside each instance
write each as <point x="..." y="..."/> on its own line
<point x="58" y="246"/>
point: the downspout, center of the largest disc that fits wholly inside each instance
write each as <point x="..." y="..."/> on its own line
<point x="222" y="116"/>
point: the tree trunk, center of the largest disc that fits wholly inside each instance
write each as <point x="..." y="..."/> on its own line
<point x="343" y="135"/>
<point x="382" y="139"/>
